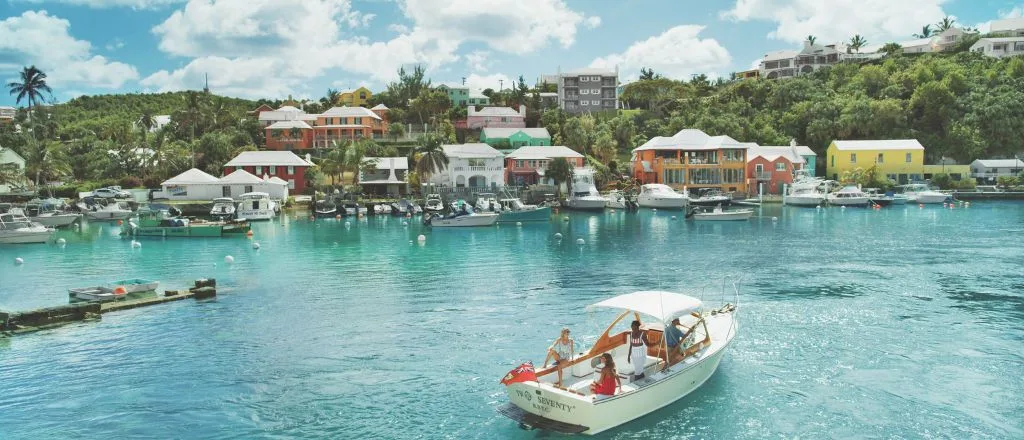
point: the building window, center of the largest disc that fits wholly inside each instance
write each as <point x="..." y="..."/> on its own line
<point x="585" y="92"/>
<point x="362" y="95"/>
<point x="595" y="78"/>
<point x="733" y="175"/>
<point x="358" y="121"/>
<point x="273" y="170"/>
<point x="225" y="191"/>
<point x="259" y="171"/>
<point x="584" y="78"/>
<point x="780" y="166"/>
<point x="291" y="170"/>
<point x="880" y="158"/>
<point x="291" y="184"/>
<point x="248" y="188"/>
<point x="853" y="157"/>
<point x="908" y="157"/>
<point x="833" y="160"/>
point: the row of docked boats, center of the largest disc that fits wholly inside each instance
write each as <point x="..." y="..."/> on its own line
<point x="250" y="206"/>
<point x="113" y="290"/>
<point x="810" y="191"/>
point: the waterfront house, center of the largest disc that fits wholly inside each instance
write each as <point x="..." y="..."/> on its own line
<point x="284" y="165"/>
<point x="999" y="47"/>
<point x="354" y="97"/>
<point x="987" y="171"/>
<point x="514" y="137"/>
<point x="773" y="167"/>
<point x="389" y="175"/>
<point x="7" y="157"/>
<point x="471" y="165"/>
<point x="496" y="117"/>
<point x="588" y="90"/>
<point x="197" y="185"/>
<point x="899" y="160"/>
<point x="527" y="165"/>
<point x="692" y="159"/>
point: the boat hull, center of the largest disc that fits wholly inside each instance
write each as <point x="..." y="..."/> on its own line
<point x="108" y="215"/>
<point x="262" y="214"/>
<point x="179" y="231"/>
<point x="541" y="214"/>
<point x="804" y="200"/>
<point x="882" y="201"/>
<point x="587" y="204"/>
<point x="136" y="285"/>
<point x="25" y="237"/>
<point x="930" y="198"/>
<point x="848" y="201"/>
<point x="739" y="215"/>
<point x="57" y="220"/>
<point x="724" y="201"/>
<point x="486" y="219"/>
<point x="663" y="202"/>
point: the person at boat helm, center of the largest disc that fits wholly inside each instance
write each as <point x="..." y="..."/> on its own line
<point x="673" y="338"/>
<point x="637" y="354"/>
<point x="561" y="351"/>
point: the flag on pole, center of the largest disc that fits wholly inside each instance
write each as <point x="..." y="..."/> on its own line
<point x="522" y="373"/>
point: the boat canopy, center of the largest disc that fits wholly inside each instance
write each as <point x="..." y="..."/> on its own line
<point x="662" y="305"/>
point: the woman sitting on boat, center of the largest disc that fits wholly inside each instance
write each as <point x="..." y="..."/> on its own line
<point x="637" y="350"/>
<point x="561" y="351"/>
<point x="608" y="381"/>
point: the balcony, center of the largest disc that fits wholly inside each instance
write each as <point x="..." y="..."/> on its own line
<point x="763" y="175"/>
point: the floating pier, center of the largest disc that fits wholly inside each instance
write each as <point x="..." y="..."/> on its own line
<point x="51" y="317"/>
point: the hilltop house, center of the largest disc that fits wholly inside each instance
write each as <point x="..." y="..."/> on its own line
<point x="354" y="97"/>
<point x="987" y="171"/>
<point x="692" y="159"/>
<point x="7" y="114"/>
<point x="527" y="165"/>
<point x="289" y="128"/>
<point x="464" y="96"/>
<point x="284" y="165"/>
<point x="496" y="117"/>
<point x="9" y="156"/>
<point x="515" y="137"/>
<point x="999" y="46"/>
<point x="588" y="90"/>
<point x="471" y="165"/>
<point x="390" y="176"/>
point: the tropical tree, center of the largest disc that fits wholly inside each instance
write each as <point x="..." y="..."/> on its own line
<point x="219" y="115"/>
<point x="191" y="113"/>
<point x="945" y="24"/>
<point x="333" y="163"/>
<point x="429" y="157"/>
<point x="812" y="39"/>
<point x="605" y="146"/>
<point x="31" y="87"/>
<point x="147" y="121"/>
<point x="926" y="32"/>
<point x="647" y="73"/>
<point x="10" y="174"/>
<point x="857" y="42"/>
<point x="561" y="171"/>
<point x="891" y="49"/>
<point x="330" y="99"/>
<point x="396" y="130"/>
<point x="47" y="160"/>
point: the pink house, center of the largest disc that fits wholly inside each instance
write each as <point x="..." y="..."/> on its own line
<point x="500" y="117"/>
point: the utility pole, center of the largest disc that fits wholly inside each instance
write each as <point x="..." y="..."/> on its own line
<point x="501" y="85"/>
<point x="463" y="80"/>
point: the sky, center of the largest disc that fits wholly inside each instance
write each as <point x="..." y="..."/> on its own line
<point x="300" y="48"/>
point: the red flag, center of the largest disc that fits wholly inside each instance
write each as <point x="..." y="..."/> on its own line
<point x="522" y="373"/>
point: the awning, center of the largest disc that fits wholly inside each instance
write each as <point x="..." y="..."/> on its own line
<point x="664" y="306"/>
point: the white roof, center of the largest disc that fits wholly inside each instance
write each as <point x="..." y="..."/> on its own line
<point x="387" y="163"/>
<point x="548" y="94"/>
<point x="998" y="40"/>
<point x="1006" y="24"/>
<point x="284" y="125"/>
<point x="288" y="108"/>
<point x="885" y="144"/>
<point x="591" y="71"/>
<point x="691" y="139"/>
<point x="286" y="115"/>
<point x="780" y="55"/>
<point x="1000" y="163"/>
<point x="191" y="176"/>
<point x="380" y="107"/>
<point x="493" y="132"/>
<point x="477" y="150"/>
<point x="543" y="152"/>
<point x="496" y="111"/>
<point x="275" y="179"/>
<point x="665" y="306"/>
<point x="266" y="158"/>
<point x="771" y="153"/>
<point x="350" y="112"/>
<point x="240" y="176"/>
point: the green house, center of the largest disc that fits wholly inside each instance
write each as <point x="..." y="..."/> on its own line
<point x="512" y="138"/>
<point x="462" y="96"/>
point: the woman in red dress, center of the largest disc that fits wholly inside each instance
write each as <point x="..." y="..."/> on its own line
<point x="606" y="384"/>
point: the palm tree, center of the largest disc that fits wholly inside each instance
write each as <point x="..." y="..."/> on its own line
<point x="10" y="174"/>
<point x="333" y="163"/>
<point x="47" y="159"/>
<point x="812" y="39"/>
<point x="926" y="32"/>
<point x="330" y="99"/>
<point x="561" y="171"/>
<point x="891" y="49"/>
<point x="219" y="114"/>
<point x="396" y="130"/>
<point x="192" y="113"/>
<point x="429" y="157"/>
<point x="31" y="87"/>
<point x="857" y="42"/>
<point x="945" y="24"/>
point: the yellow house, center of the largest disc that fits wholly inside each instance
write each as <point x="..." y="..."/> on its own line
<point x="900" y="160"/>
<point x="355" y="98"/>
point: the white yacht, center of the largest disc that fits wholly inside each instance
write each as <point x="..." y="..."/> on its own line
<point x="616" y="200"/>
<point x="434" y="203"/>
<point x="849" y="195"/>
<point x="256" y="206"/>
<point x="660" y="196"/>
<point x="112" y="211"/>
<point x="717" y="214"/>
<point x="50" y="212"/>
<point x="711" y="197"/>
<point x="223" y="208"/>
<point x="584" y="194"/>
<point x="487" y="202"/>
<point x="804" y="191"/>
<point x="16" y="228"/>
<point x="921" y="193"/>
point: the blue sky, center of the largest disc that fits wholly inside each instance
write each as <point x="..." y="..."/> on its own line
<point x="277" y="48"/>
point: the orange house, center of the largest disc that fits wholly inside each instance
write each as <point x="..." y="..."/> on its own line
<point x="773" y="167"/>
<point x="289" y="135"/>
<point x="691" y="159"/>
<point x="348" y="123"/>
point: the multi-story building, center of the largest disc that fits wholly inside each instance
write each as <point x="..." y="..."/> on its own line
<point x="515" y="137"/>
<point x="289" y="135"/>
<point x="899" y="160"/>
<point x="284" y="165"/>
<point x="464" y="96"/>
<point x="354" y="97"/>
<point x="527" y="165"/>
<point x="471" y="165"/>
<point x="774" y="166"/>
<point x="999" y="46"/>
<point x="988" y="171"/>
<point x="1007" y="27"/>
<point x="691" y="159"/>
<point x="588" y="90"/>
<point x="285" y="113"/>
<point x="7" y="114"/>
<point x="496" y="117"/>
<point x="289" y="128"/>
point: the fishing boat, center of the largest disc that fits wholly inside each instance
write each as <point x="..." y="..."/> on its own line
<point x="849" y="195"/>
<point x="16" y="229"/>
<point x="134" y="285"/>
<point x="95" y="293"/>
<point x="50" y="212"/>
<point x="711" y="197"/>
<point x="878" y="198"/>
<point x="256" y="206"/>
<point x="584" y="195"/>
<point x="719" y="215"/>
<point x="804" y="191"/>
<point x="159" y="223"/>
<point x="110" y="211"/>
<point x="223" y="208"/>
<point x="325" y="208"/>
<point x="922" y="193"/>
<point x="513" y="210"/>
<point x="462" y="215"/>
<point x="660" y="196"/>
<point x="487" y="202"/>
<point x="536" y="401"/>
<point x="434" y="203"/>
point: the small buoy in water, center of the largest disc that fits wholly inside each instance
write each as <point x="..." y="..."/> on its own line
<point x="421" y="238"/>
<point x="348" y="224"/>
<point x="249" y="233"/>
<point x="405" y="223"/>
<point x="62" y="241"/>
<point x="136" y="244"/>
<point x="519" y="223"/>
<point x="817" y="207"/>
<point x="312" y="217"/>
<point x="580" y="241"/>
<point x="120" y="290"/>
<point x="843" y="207"/>
<point x="256" y="245"/>
<point x="337" y="217"/>
<point x="920" y="205"/>
<point x="558" y="235"/>
<point x="229" y="259"/>
<point x="966" y="204"/>
<point x="775" y="219"/>
<point x="612" y="211"/>
<point x="18" y="260"/>
<point x="120" y="222"/>
<point x="673" y="217"/>
<point x="654" y="209"/>
<point x="944" y="204"/>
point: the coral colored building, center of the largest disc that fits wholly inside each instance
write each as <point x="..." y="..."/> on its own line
<point x="527" y="165"/>
<point x="504" y="117"/>
<point x="773" y="167"/>
<point x="691" y="159"/>
<point x="284" y="165"/>
<point x="289" y="128"/>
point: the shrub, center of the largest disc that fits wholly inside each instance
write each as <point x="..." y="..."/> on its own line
<point x="152" y="182"/>
<point x="943" y="181"/>
<point x="130" y="182"/>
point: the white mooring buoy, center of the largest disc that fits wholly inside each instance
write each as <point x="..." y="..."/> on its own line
<point x="580" y="241"/>
<point x="256" y="245"/>
<point x="18" y="260"/>
<point x="229" y="259"/>
<point x="558" y="235"/>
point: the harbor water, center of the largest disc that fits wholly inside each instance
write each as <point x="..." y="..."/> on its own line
<point x="903" y="322"/>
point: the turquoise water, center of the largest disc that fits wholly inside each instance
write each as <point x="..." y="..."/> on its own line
<point x="902" y="322"/>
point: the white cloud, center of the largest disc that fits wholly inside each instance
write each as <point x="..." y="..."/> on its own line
<point x="43" y="40"/>
<point x="838" y="20"/>
<point x="675" y="53"/>
<point x="477" y="60"/>
<point x="102" y="4"/>
<point x="399" y="28"/>
<point x="592" y="22"/>
<point x="244" y="77"/>
<point x="493" y="81"/>
<point x="1015" y="12"/>
<point x="116" y="44"/>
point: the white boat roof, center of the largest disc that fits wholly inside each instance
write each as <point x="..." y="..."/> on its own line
<point x="660" y="304"/>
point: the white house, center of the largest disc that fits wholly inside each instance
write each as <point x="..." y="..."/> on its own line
<point x="391" y="176"/>
<point x="471" y="165"/>
<point x="195" y="184"/>
<point x="988" y="170"/>
<point x="1008" y="27"/>
<point x="7" y="114"/>
<point x="999" y="46"/>
<point x="9" y="156"/>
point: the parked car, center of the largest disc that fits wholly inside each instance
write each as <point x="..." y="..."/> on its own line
<point x="111" y="192"/>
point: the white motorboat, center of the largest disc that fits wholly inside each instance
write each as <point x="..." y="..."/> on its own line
<point x="584" y="195"/>
<point x="719" y="214"/>
<point x="804" y="191"/>
<point x="434" y="203"/>
<point x="661" y="196"/>
<point x="849" y="195"/>
<point x="711" y="197"/>
<point x="900" y="199"/>
<point x="48" y="215"/>
<point x="616" y="200"/>
<point x="487" y="202"/>
<point x="536" y="401"/>
<point x="256" y="206"/>
<point x="110" y="211"/>
<point x="513" y="210"/>
<point x="462" y="216"/>
<point x="16" y="228"/>
<point x="223" y="208"/>
<point x="95" y="293"/>
<point x="921" y="193"/>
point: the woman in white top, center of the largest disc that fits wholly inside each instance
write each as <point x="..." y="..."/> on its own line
<point x="561" y="351"/>
<point x="637" y="350"/>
